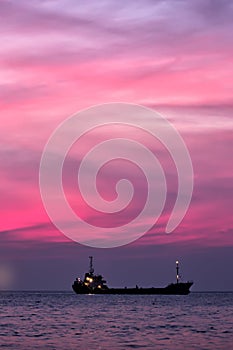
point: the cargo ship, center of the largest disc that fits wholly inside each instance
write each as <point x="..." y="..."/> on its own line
<point x="95" y="284"/>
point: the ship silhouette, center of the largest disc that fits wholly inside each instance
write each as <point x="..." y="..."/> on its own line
<point x="95" y="284"/>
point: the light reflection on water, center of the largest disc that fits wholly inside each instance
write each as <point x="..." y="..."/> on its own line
<point x="59" y="320"/>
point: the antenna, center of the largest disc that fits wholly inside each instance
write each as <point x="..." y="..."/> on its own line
<point x="177" y="271"/>
<point x="91" y="269"/>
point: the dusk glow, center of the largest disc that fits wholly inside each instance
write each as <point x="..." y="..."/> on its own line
<point x="60" y="57"/>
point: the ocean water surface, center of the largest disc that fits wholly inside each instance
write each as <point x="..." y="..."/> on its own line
<point x="64" y="320"/>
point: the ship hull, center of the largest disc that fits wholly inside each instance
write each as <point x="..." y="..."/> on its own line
<point x="171" y="289"/>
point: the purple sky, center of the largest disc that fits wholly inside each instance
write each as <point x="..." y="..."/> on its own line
<point x="58" y="57"/>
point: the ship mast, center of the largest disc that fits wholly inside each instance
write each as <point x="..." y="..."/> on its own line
<point x="177" y="271"/>
<point x="91" y="269"/>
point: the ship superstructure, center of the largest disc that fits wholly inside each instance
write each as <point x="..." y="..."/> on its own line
<point x="91" y="282"/>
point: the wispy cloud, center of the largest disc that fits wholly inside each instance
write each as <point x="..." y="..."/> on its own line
<point x="57" y="58"/>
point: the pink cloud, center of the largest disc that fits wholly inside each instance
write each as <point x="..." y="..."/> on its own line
<point x="178" y="62"/>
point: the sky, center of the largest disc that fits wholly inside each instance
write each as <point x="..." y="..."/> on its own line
<point x="59" y="57"/>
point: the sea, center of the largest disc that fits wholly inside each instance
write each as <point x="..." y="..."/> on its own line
<point x="64" y="320"/>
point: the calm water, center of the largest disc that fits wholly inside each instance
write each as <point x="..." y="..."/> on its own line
<point x="67" y="321"/>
